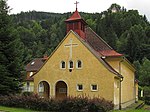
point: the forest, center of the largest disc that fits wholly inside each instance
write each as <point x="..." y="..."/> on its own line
<point x="35" y="34"/>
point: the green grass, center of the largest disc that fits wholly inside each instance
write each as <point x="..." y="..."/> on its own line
<point x="11" y="109"/>
<point x="144" y="109"/>
<point x="140" y="110"/>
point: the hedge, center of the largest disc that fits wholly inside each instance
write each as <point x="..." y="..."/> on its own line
<point x="69" y="104"/>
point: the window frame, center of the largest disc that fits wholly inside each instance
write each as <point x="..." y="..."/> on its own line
<point x="61" y="66"/>
<point x="92" y="87"/>
<point x="78" y="87"/>
<point x="77" y="64"/>
<point x="69" y="65"/>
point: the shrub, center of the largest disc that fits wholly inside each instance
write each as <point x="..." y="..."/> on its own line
<point x="147" y="95"/>
<point x="27" y="93"/>
<point x="69" y="104"/>
<point x="147" y="100"/>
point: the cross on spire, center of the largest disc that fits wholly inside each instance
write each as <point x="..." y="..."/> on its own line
<point x="76" y="5"/>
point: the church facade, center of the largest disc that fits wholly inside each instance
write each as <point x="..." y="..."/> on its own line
<point x="83" y="64"/>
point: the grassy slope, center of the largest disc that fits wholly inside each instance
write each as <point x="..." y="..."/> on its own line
<point x="11" y="109"/>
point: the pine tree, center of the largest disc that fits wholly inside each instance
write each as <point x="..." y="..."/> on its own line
<point x="10" y="54"/>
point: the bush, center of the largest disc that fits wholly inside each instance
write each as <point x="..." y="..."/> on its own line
<point x="69" y="104"/>
<point x="27" y="93"/>
<point x="147" y="100"/>
<point x="147" y="95"/>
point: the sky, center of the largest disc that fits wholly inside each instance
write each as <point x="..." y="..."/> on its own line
<point x="90" y="6"/>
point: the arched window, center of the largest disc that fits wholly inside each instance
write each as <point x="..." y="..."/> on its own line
<point x="79" y="64"/>
<point x="63" y="65"/>
<point x="70" y="64"/>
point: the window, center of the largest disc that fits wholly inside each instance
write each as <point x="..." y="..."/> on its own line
<point x="79" y="64"/>
<point x="70" y="64"/>
<point x="31" y="73"/>
<point x="32" y="63"/>
<point x="41" y="87"/>
<point x="80" y="87"/>
<point x="63" y="65"/>
<point x="94" y="87"/>
<point x="28" y="86"/>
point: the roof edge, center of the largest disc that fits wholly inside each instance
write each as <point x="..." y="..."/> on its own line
<point x="99" y="58"/>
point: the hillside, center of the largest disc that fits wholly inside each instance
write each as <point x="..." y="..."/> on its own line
<point x="126" y="31"/>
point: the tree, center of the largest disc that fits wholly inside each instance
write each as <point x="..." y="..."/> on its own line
<point x="135" y="37"/>
<point x="144" y="73"/>
<point x="10" y="54"/>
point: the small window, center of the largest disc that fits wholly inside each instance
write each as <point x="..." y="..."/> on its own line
<point x="71" y="64"/>
<point x="32" y="63"/>
<point x="31" y="73"/>
<point x="94" y="87"/>
<point x="63" y="65"/>
<point x="79" y="64"/>
<point x="80" y="87"/>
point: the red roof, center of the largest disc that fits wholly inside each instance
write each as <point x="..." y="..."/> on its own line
<point x="75" y="16"/>
<point x="110" y="53"/>
<point x="98" y="44"/>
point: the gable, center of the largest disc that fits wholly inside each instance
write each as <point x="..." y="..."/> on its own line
<point x="80" y="51"/>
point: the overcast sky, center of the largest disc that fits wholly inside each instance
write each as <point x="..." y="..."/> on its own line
<point x="91" y="6"/>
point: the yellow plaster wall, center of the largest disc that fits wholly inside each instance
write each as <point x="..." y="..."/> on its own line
<point x="128" y="86"/>
<point x="92" y="72"/>
<point x="116" y="91"/>
<point x="136" y="88"/>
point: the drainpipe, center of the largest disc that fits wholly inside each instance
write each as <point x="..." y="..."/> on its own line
<point x="120" y="84"/>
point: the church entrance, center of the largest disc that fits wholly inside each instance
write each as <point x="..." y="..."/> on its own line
<point x="61" y="90"/>
<point x="44" y="89"/>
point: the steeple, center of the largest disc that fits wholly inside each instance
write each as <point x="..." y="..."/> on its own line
<point x="76" y="23"/>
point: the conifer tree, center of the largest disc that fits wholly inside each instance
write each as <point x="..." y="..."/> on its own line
<point x="10" y="54"/>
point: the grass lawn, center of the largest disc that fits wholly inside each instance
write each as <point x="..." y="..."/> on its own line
<point x="11" y="109"/>
<point x="140" y="110"/>
<point x="132" y="107"/>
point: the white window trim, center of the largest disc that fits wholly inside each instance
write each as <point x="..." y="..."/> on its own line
<point x="92" y="86"/>
<point x="61" y="65"/>
<point x="78" y="87"/>
<point x="69" y="64"/>
<point x="77" y="64"/>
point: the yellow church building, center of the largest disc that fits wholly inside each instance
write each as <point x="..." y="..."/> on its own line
<point x="83" y="64"/>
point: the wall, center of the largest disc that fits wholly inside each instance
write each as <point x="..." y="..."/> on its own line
<point x="128" y="86"/>
<point x="92" y="72"/>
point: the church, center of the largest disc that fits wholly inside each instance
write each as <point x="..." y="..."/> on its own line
<point x="83" y="64"/>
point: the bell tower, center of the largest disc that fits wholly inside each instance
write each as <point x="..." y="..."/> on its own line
<point x="76" y="23"/>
